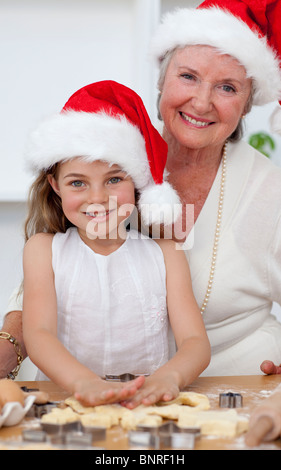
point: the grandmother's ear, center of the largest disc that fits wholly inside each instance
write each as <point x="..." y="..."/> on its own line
<point x="158" y="106"/>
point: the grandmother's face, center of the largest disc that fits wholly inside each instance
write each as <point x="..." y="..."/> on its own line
<point x="203" y="96"/>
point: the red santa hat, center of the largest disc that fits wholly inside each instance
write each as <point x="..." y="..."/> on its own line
<point x="249" y="30"/>
<point x="108" y="121"/>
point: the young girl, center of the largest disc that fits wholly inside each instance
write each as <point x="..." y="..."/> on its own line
<point x="98" y="299"/>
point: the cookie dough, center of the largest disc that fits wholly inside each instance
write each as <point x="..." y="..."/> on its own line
<point x="111" y="415"/>
<point x="97" y="419"/>
<point x="76" y="406"/>
<point x="192" y="399"/>
<point x="216" y="423"/>
<point x="189" y="409"/>
<point x="168" y="412"/>
<point x="60" y="416"/>
<point x="133" y="418"/>
<point x="196" y="400"/>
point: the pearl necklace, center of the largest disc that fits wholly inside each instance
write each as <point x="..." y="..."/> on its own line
<point x="217" y="232"/>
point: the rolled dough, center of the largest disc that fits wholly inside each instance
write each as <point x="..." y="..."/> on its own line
<point x="188" y="409"/>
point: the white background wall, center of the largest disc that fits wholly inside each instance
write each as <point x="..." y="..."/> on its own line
<point x="49" y="49"/>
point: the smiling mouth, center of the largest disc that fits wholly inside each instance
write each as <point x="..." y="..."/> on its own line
<point x="98" y="215"/>
<point x="195" y="122"/>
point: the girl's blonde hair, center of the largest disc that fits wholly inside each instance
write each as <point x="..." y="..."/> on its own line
<point x="45" y="212"/>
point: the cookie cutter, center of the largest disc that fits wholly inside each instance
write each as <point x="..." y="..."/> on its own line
<point x="28" y="390"/>
<point x="123" y="377"/>
<point x="144" y="439"/>
<point x="37" y="410"/>
<point x="97" y="433"/>
<point x="78" y="438"/>
<point x="120" y="378"/>
<point x="231" y="400"/>
<point x="60" y="429"/>
<point x="73" y="435"/>
<point x="34" y="435"/>
<point x="69" y="438"/>
<point x="167" y="435"/>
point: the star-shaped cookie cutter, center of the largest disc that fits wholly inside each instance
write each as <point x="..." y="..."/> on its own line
<point x="69" y="436"/>
<point x="168" y="434"/>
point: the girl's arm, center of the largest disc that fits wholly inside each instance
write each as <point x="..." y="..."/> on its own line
<point x="40" y="332"/>
<point x="193" y="347"/>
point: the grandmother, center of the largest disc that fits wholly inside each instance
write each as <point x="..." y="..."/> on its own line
<point x="215" y="63"/>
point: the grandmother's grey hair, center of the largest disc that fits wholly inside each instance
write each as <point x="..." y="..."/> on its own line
<point x="239" y="131"/>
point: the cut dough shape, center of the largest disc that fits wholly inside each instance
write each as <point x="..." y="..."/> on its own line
<point x="131" y="419"/>
<point x="168" y="412"/>
<point x="60" y="416"/>
<point x="216" y="423"/>
<point x="115" y="412"/>
<point x="97" y="419"/>
<point x="193" y="399"/>
<point x="101" y="415"/>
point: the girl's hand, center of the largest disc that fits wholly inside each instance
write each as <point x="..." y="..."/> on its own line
<point x="154" y="390"/>
<point x="96" y="391"/>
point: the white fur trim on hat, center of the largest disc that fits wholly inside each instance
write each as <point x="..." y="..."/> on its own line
<point x="159" y="204"/>
<point x="92" y="136"/>
<point x="230" y="35"/>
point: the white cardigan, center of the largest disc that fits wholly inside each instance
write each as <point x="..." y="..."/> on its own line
<point x="248" y="274"/>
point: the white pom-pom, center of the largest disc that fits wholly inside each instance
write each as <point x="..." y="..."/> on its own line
<point x="159" y="204"/>
<point x="275" y="120"/>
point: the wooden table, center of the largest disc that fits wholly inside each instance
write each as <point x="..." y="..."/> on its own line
<point x="254" y="389"/>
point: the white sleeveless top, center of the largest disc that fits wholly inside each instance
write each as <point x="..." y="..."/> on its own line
<point x="112" y="313"/>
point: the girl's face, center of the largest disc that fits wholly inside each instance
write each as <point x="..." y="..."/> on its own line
<point x="204" y="96"/>
<point x="96" y="197"/>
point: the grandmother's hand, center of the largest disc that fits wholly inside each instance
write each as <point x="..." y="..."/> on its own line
<point x="268" y="368"/>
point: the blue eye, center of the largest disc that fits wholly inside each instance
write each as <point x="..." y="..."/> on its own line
<point x="77" y="184"/>
<point x="114" y="180"/>
<point x="187" y="76"/>
<point x="228" y="89"/>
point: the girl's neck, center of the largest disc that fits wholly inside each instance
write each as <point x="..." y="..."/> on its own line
<point x="104" y="246"/>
